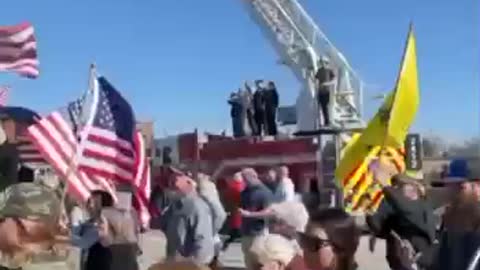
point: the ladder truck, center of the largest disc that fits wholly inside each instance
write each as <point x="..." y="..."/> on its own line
<point x="300" y="44"/>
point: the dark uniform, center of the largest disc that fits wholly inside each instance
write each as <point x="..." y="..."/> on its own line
<point x="271" y="106"/>
<point x="324" y="75"/>
<point x="259" y="110"/>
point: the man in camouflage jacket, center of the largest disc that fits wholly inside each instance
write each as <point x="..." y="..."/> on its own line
<point x="29" y="215"/>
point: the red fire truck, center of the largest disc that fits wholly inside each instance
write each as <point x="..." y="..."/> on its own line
<point x="221" y="156"/>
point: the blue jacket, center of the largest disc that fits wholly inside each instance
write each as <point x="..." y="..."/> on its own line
<point x="255" y="197"/>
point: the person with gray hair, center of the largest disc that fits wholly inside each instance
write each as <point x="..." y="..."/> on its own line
<point x="286" y="219"/>
<point x="255" y="197"/>
<point x="189" y="228"/>
<point x="275" y="252"/>
<point x="209" y="193"/>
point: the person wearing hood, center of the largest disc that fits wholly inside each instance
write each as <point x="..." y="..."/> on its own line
<point x="255" y="197"/>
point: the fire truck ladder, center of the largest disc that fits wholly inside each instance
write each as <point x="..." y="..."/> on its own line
<point x="300" y="43"/>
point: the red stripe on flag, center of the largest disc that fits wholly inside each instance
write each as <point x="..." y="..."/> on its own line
<point x="18" y="50"/>
<point x="141" y="181"/>
<point x="4" y="91"/>
<point x="54" y="138"/>
<point x="108" y="156"/>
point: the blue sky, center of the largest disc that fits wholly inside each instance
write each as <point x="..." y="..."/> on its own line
<point x="178" y="60"/>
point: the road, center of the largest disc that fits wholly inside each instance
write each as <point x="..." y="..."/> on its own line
<point x="153" y="246"/>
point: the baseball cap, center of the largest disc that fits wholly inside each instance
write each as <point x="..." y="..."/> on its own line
<point x="460" y="171"/>
<point x="29" y="201"/>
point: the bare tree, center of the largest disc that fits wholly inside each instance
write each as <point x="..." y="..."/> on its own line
<point x="433" y="146"/>
<point x="468" y="149"/>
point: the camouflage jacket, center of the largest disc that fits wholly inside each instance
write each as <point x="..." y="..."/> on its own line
<point x="30" y="201"/>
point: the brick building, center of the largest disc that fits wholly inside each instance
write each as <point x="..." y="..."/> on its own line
<point x="147" y="130"/>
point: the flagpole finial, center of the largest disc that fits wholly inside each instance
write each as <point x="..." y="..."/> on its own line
<point x="410" y="26"/>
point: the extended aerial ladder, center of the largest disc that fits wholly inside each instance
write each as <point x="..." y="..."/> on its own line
<point x="300" y="44"/>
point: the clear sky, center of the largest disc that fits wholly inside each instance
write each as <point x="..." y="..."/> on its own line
<point x="178" y="60"/>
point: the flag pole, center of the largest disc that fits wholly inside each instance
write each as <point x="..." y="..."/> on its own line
<point x="72" y="166"/>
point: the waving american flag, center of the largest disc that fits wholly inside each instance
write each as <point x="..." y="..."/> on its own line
<point x="55" y="137"/>
<point x="109" y="145"/>
<point x="104" y="145"/>
<point x="18" y="50"/>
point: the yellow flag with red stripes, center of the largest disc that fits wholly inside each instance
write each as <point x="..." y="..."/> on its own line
<point x="384" y="136"/>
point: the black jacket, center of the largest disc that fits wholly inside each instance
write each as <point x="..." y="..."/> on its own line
<point x="271" y="99"/>
<point x="411" y="220"/>
<point x="259" y="101"/>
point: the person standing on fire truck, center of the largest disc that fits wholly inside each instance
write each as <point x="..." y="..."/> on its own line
<point x="271" y="107"/>
<point x="259" y="107"/>
<point x="325" y="81"/>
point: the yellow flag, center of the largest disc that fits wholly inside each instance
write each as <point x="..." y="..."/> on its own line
<point x="387" y="130"/>
<point x="390" y="125"/>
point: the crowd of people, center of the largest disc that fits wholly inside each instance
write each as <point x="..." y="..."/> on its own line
<point x="263" y="212"/>
<point x="254" y="112"/>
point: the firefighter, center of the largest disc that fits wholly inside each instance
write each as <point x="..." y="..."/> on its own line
<point x="259" y="107"/>
<point x="271" y="106"/>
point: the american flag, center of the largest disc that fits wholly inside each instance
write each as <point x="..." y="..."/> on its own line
<point x="141" y="184"/>
<point x="109" y="146"/>
<point x="4" y="90"/>
<point x="56" y="137"/>
<point x="57" y="142"/>
<point x="18" y="50"/>
<point x="28" y="152"/>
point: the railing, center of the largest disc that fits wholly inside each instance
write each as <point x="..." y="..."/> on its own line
<point x="300" y="43"/>
<point x="323" y="46"/>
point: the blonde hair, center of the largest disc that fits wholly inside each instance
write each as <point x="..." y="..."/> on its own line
<point x="273" y="247"/>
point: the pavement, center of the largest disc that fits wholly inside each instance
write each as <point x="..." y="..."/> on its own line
<point x="153" y="247"/>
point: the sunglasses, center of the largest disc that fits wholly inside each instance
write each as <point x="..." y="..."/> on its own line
<point x="312" y="243"/>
